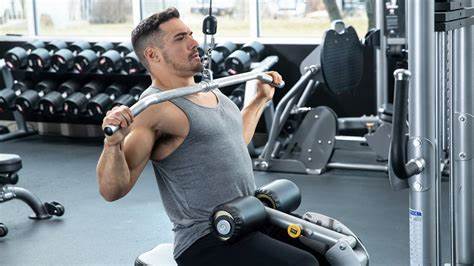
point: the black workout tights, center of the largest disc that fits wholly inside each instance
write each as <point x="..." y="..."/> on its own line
<point x="255" y="249"/>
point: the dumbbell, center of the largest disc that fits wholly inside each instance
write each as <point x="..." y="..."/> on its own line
<point x="8" y="95"/>
<point x="131" y="64"/>
<point x="131" y="97"/>
<point x="241" y="60"/>
<point x="76" y="103"/>
<point x="63" y="59"/>
<point x="87" y="60"/>
<point x="219" y="54"/>
<point x="102" y="102"/>
<point x="17" y="57"/>
<point x="39" y="59"/>
<point x="79" y="46"/>
<point x="52" y="103"/>
<point x="111" y="61"/>
<point x="29" y="99"/>
<point x="237" y="96"/>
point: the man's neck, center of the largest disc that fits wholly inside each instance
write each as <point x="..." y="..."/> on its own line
<point x="168" y="81"/>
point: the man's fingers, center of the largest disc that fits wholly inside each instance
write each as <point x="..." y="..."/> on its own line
<point x="277" y="78"/>
<point x="111" y="122"/>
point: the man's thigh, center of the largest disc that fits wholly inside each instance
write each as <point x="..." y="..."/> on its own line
<point x="256" y="249"/>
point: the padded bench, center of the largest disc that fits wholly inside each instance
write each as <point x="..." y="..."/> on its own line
<point x="161" y="255"/>
<point x="9" y="163"/>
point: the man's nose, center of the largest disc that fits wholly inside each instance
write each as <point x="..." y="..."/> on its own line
<point x="193" y="43"/>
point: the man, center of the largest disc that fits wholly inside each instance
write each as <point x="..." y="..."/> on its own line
<point x="198" y="147"/>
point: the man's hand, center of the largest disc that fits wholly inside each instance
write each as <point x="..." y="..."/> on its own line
<point x="119" y="116"/>
<point x="266" y="91"/>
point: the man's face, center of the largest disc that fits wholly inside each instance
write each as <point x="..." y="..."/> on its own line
<point x="179" y="49"/>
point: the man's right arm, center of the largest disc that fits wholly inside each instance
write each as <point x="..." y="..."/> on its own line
<point x="126" y="153"/>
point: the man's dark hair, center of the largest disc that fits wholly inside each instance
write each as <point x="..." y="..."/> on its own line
<point x="149" y="28"/>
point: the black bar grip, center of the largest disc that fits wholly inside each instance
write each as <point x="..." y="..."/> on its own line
<point x="110" y="130"/>
<point x="399" y="141"/>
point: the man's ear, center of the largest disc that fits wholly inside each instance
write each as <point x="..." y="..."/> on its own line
<point x="152" y="54"/>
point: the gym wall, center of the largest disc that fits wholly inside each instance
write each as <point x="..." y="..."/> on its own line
<point x="360" y="102"/>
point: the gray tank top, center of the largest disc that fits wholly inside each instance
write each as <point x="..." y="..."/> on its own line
<point x="212" y="166"/>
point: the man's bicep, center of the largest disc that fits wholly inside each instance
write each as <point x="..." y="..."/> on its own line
<point x="138" y="146"/>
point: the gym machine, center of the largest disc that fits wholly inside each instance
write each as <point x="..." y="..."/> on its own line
<point x="389" y="41"/>
<point x="338" y="63"/>
<point x="437" y="92"/>
<point x="273" y="204"/>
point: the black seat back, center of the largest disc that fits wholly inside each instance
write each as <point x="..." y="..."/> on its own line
<point x="342" y="60"/>
<point x="340" y="57"/>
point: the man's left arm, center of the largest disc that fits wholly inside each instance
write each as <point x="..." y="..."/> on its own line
<point x="253" y="111"/>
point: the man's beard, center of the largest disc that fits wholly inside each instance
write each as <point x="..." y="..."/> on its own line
<point x="193" y="66"/>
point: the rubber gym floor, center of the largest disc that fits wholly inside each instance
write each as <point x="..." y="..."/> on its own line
<point x="96" y="232"/>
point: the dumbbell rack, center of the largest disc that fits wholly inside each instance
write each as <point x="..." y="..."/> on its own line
<point x="60" y="124"/>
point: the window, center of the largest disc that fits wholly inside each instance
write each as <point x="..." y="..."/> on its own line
<point x="13" y="17"/>
<point x="84" y="17"/>
<point x="309" y="18"/>
<point x="239" y="19"/>
<point x="232" y="15"/>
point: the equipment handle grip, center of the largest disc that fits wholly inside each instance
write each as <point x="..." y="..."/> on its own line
<point x="398" y="162"/>
<point x="110" y="130"/>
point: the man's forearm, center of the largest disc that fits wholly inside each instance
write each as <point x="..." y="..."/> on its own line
<point x="113" y="173"/>
<point x="251" y="115"/>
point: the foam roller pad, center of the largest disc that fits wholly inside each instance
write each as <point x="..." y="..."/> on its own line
<point x="282" y="195"/>
<point x="241" y="216"/>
